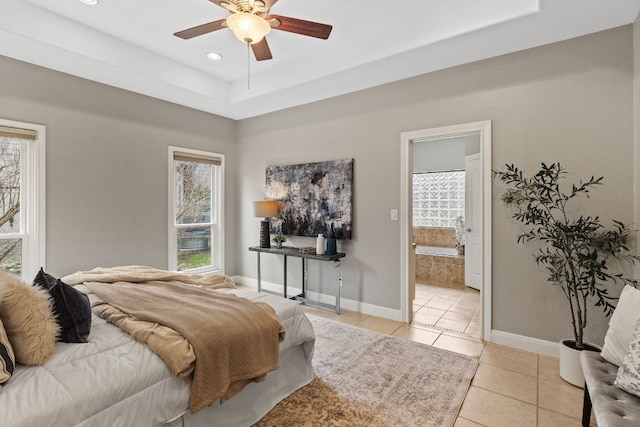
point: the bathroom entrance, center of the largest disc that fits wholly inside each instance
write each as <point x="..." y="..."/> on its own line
<point x="446" y="192"/>
<point x="438" y="220"/>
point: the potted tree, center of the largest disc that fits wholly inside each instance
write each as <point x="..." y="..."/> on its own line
<point x="582" y="258"/>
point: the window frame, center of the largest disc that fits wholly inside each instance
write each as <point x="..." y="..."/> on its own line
<point x="217" y="213"/>
<point x="33" y="196"/>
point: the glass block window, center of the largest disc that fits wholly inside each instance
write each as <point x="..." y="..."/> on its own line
<point x="438" y="198"/>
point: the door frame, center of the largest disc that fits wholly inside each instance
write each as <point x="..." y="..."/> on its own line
<point x="482" y="128"/>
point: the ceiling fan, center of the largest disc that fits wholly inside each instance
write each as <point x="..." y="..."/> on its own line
<point x="250" y="21"/>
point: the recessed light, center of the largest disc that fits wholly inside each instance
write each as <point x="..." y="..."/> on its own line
<point x="89" y="2"/>
<point x="214" y="56"/>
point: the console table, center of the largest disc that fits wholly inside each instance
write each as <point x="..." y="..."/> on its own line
<point x="288" y="251"/>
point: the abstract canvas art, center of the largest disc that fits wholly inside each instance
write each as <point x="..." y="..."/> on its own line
<point x="313" y="196"/>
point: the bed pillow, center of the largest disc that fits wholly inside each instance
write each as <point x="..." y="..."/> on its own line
<point x="7" y="358"/>
<point x="621" y="326"/>
<point x="44" y="280"/>
<point x="28" y="319"/>
<point x="71" y="307"/>
<point x="628" y="377"/>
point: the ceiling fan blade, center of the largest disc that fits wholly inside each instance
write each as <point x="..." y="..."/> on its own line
<point x="269" y="3"/>
<point x="300" y="26"/>
<point x="217" y="2"/>
<point x="201" y="29"/>
<point x="261" y="50"/>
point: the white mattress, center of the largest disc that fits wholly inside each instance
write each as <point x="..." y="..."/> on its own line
<point x="115" y="381"/>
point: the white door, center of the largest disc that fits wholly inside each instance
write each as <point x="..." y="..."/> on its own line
<point x="473" y="222"/>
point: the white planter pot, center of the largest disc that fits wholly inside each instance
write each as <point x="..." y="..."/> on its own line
<point x="570" y="367"/>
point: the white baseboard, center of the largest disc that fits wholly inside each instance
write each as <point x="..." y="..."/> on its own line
<point x="347" y="304"/>
<point x="521" y="342"/>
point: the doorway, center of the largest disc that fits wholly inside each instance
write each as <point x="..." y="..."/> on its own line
<point x="481" y="228"/>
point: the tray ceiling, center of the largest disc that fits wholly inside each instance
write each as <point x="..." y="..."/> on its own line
<point x="130" y="44"/>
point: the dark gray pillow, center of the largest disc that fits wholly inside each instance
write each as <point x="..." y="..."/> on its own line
<point x="71" y="308"/>
<point x="44" y="280"/>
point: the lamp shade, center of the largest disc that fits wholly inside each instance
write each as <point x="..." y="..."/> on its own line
<point x="265" y="208"/>
<point x="247" y="27"/>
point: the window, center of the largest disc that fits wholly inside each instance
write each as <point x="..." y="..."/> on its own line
<point x="22" y="215"/>
<point x="195" y="210"/>
<point x="438" y="198"/>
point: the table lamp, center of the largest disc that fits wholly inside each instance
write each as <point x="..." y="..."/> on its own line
<point x="265" y="209"/>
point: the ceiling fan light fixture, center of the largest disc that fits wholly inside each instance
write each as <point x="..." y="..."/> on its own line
<point x="90" y="2"/>
<point x="247" y="27"/>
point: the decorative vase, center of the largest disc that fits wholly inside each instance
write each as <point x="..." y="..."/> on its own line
<point x="331" y="246"/>
<point x="570" y="367"/>
<point x="320" y="245"/>
<point x="279" y="245"/>
<point x="331" y="242"/>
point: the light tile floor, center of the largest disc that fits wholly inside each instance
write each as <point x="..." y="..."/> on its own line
<point x="510" y="388"/>
<point x="447" y="309"/>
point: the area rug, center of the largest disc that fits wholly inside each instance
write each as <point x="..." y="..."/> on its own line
<point x="364" y="378"/>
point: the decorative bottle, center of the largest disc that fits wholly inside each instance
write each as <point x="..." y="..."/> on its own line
<point x="331" y="242"/>
<point x="320" y="245"/>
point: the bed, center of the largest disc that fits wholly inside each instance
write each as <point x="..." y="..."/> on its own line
<point x="115" y="380"/>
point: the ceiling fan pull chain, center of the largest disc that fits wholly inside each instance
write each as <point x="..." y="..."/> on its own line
<point x="248" y="67"/>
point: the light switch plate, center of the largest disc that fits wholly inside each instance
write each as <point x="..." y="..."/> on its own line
<point x="394" y="214"/>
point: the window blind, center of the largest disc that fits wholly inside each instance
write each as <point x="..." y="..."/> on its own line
<point x="17" y="133"/>
<point x="196" y="158"/>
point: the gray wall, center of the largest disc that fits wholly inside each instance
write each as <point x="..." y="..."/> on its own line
<point x="107" y="163"/>
<point x="570" y="102"/>
<point x="439" y="155"/>
<point x="447" y="154"/>
<point x="107" y="167"/>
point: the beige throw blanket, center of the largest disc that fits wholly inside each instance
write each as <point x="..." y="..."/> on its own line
<point x="170" y="345"/>
<point x="143" y="273"/>
<point x="235" y="341"/>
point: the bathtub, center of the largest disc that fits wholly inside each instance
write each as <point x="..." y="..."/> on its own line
<point x="439" y="265"/>
<point x="436" y="250"/>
